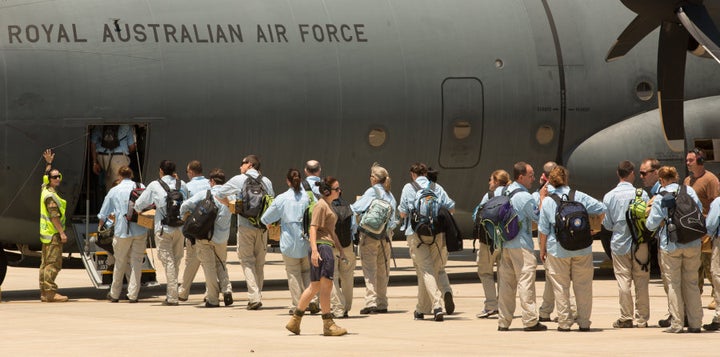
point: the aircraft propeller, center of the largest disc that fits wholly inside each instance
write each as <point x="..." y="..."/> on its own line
<point x="684" y="25"/>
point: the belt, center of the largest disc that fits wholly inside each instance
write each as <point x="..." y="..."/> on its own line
<point x="111" y="154"/>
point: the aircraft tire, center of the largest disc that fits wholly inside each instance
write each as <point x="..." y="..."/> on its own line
<point x="3" y="265"/>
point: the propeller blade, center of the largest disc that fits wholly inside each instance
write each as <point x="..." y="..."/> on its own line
<point x="698" y="23"/>
<point x="640" y="27"/>
<point x="671" y="82"/>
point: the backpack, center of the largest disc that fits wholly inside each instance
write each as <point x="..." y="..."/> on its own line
<point x="255" y="200"/>
<point x="131" y="215"/>
<point x="200" y="223"/>
<point x="497" y="219"/>
<point x="424" y="216"/>
<point x="685" y="222"/>
<point x="375" y="218"/>
<point x="109" y="137"/>
<point x="635" y="218"/>
<point x="572" y="223"/>
<point x="173" y="200"/>
<point x="453" y="236"/>
<point x="343" y="227"/>
<point x="307" y="215"/>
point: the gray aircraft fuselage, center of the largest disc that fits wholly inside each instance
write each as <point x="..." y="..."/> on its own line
<point x="465" y="86"/>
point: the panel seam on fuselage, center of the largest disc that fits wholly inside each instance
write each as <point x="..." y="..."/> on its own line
<point x="561" y="78"/>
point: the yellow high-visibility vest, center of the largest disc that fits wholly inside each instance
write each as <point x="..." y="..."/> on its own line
<point x="47" y="229"/>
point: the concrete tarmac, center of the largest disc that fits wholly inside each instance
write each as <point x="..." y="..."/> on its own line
<point x="90" y="325"/>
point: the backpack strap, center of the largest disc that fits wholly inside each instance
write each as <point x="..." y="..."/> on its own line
<point x="504" y="191"/>
<point x="305" y="185"/>
<point x="137" y="185"/>
<point x="164" y="185"/>
<point x="177" y="184"/>
<point x="514" y="192"/>
<point x="571" y="195"/>
<point x="378" y="194"/>
<point x="556" y="198"/>
<point x="491" y="194"/>
<point x="416" y="186"/>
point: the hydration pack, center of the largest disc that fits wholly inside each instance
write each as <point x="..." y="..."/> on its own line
<point x="110" y="138"/>
<point x="375" y="218"/>
<point x="173" y="200"/>
<point x="635" y="218"/>
<point x="424" y="216"/>
<point x="201" y="221"/>
<point x="685" y="222"/>
<point x="343" y="226"/>
<point x="307" y="215"/>
<point x="496" y="219"/>
<point x="572" y="223"/>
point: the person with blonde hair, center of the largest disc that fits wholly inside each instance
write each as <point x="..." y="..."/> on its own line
<point x="375" y="249"/>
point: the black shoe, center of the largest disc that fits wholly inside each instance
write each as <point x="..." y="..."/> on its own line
<point x="418" y="315"/>
<point x="693" y="330"/>
<point x="133" y="301"/>
<point x="369" y="310"/>
<point x="562" y="329"/>
<point x="227" y="299"/>
<point x="313" y="308"/>
<point x="544" y="319"/>
<point x="381" y="311"/>
<point x="345" y="315"/>
<point x="712" y="326"/>
<point x="254" y="305"/>
<point x="167" y="303"/>
<point x="538" y="327"/>
<point x="114" y="300"/>
<point x="623" y="324"/>
<point x="207" y="304"/>
<point x="584" y="329"/>
<point x="449" y="303"/>
<point x="438" y="314"/>
<point x="665" y="322"/>
<point x="503" y="329"/>
<point x="110" y="298"/>
<point x="182" y="299"/>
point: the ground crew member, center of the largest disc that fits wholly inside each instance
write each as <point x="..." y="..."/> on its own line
<point x="52" y="231"/>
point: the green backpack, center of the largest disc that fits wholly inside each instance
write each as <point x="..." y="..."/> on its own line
<point x="307" y="215"/>
<point x="635" y="217"/>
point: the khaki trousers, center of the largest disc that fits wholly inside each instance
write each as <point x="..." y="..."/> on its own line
<point x="375" y="260"/>
<point x="342" y="292"/>
<point x="579" y="272"/>
<point x="680" y="270"/>
<point x="251" y="250"/>
<point x="128" y="250"/>
<point x="628" y="271"/>
<point x="516" y="273"/>
<point x="192" y="263"/>
<point x="50" y="264"/>
<point x="206" y="255"/>
<point x="715" y="267"/>
<point x="170" y="251"/>
<point x="485" y="263"/>
<point x="110" y="165"/>
<point x="221" y="267"/>
<point x="298" y="276"/>
<point x="428" y="263"/>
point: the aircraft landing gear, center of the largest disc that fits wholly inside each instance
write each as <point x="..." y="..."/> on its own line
<point x="3" y="265"/>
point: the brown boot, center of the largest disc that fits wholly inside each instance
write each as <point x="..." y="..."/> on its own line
<point x="329" y="327"/>
<point x="42" y="296"/>
<point x="294" y="324"/>
<point x="52" y="296"/>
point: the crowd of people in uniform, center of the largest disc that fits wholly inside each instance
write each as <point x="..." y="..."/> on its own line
<point x="320" y="269"/>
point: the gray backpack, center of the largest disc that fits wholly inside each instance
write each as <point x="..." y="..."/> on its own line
<point x="375" y="218"/>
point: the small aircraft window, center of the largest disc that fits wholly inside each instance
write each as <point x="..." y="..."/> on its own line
<point x="499" y="64"/>
<point x="461" y="129"/>
<point x="644" y="91"/>
<point x="377" y="137"/>
<point x="544" y="134"/>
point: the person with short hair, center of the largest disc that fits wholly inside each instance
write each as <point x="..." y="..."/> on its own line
<point x="626" y="264"/>
<point x="567" y="266"/>
<point x="680" y="261"/>
<point x="312" y="177"/>
<point x="649" y="175"/>
<point x="322" y="260"/>
<point x="169" y="240"/>
<point x="52" y="231"/>
<point x="212" y="253"/>
<point x="251" y="241"/>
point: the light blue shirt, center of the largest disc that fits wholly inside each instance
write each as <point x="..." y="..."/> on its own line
<point x="363" y="203"/>
<point x="116" y="203"/>
<point x="311" y="180"/>
<point x="125" y="139"/>
<point x="221" y="230"/>
<point x="655" y="189"/>
<point x="617" y="202"/>
<point x="546" y="222"/>
<point x="524" y="205"/>
<point x="234" y="187"/>
<point x="658" y="215"/>
<point x="713" y="218"/>
<point x="408" y="198"/>
<point x="536" y="194"/>
<point x="289" y="208"/>
<point x="198" y="184"/>
<point x="155" y="193"/>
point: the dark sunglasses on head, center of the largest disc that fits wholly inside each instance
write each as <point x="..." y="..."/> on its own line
<point x="53" y="177"/>
<point x="643" y="173"/>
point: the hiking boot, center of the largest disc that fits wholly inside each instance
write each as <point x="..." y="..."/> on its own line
<point x="438" y="314"/>
<point x="51" y="296"/>
<point x="368" y="310"/>
<point x="449" y="303"/>
<point x="313" y="308"/>
<point x="42" y="297"/>
<point x="330" y="328"/>
<point x="537" y="327"/>
<point x="665" y="322"/>
<point x="712" y="305"/>
<point x="623" y="324"/>
<point x="418" y="315"/>
<point x="227" y="299"/>
<point x="254" y="305"/>
<point x="486" y="313"/>
<point x="712" y="326"/>
<point x="294" y="324"/>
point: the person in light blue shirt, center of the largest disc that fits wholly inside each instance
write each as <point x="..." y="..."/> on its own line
<point x="312" y="173"/>
<point x="129" y="241"/>
<point x="712" y="224"/>
<point x="627" y="263"/>
<point x="426" y="251"/>
<point x="196" y="183"/>
<point x="212" y="253"/>
<point x="680" y="261"/>
<point x="289" y="208"/>
<point x="169" y="240"/>
<point x="251" y="241"/>
<point x="517" y="263"/>
<point x="109" y="159"/>
<point x="374" y="249"/>
<point x="565" y="266"/>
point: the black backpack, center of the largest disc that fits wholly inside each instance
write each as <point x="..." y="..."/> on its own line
<point x="173" y="200"/>
<point x="253" y="194"/>
<point x="110" y="138"/>
<point x="572" y="223"/>
<point x="685" y="222"/>
<point x="424" y="216"/>
<point x="201" y="222"/>
<point x="343" y="227"/>
<point x="131" y="215"/>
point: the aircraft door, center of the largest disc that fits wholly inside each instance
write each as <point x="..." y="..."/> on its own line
<point x="462" y="123"/>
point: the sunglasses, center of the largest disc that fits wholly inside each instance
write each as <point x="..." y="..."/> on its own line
<point x="54" y="177"/>
<point x="336" y="189"/>
<point x="643" y="173"/>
